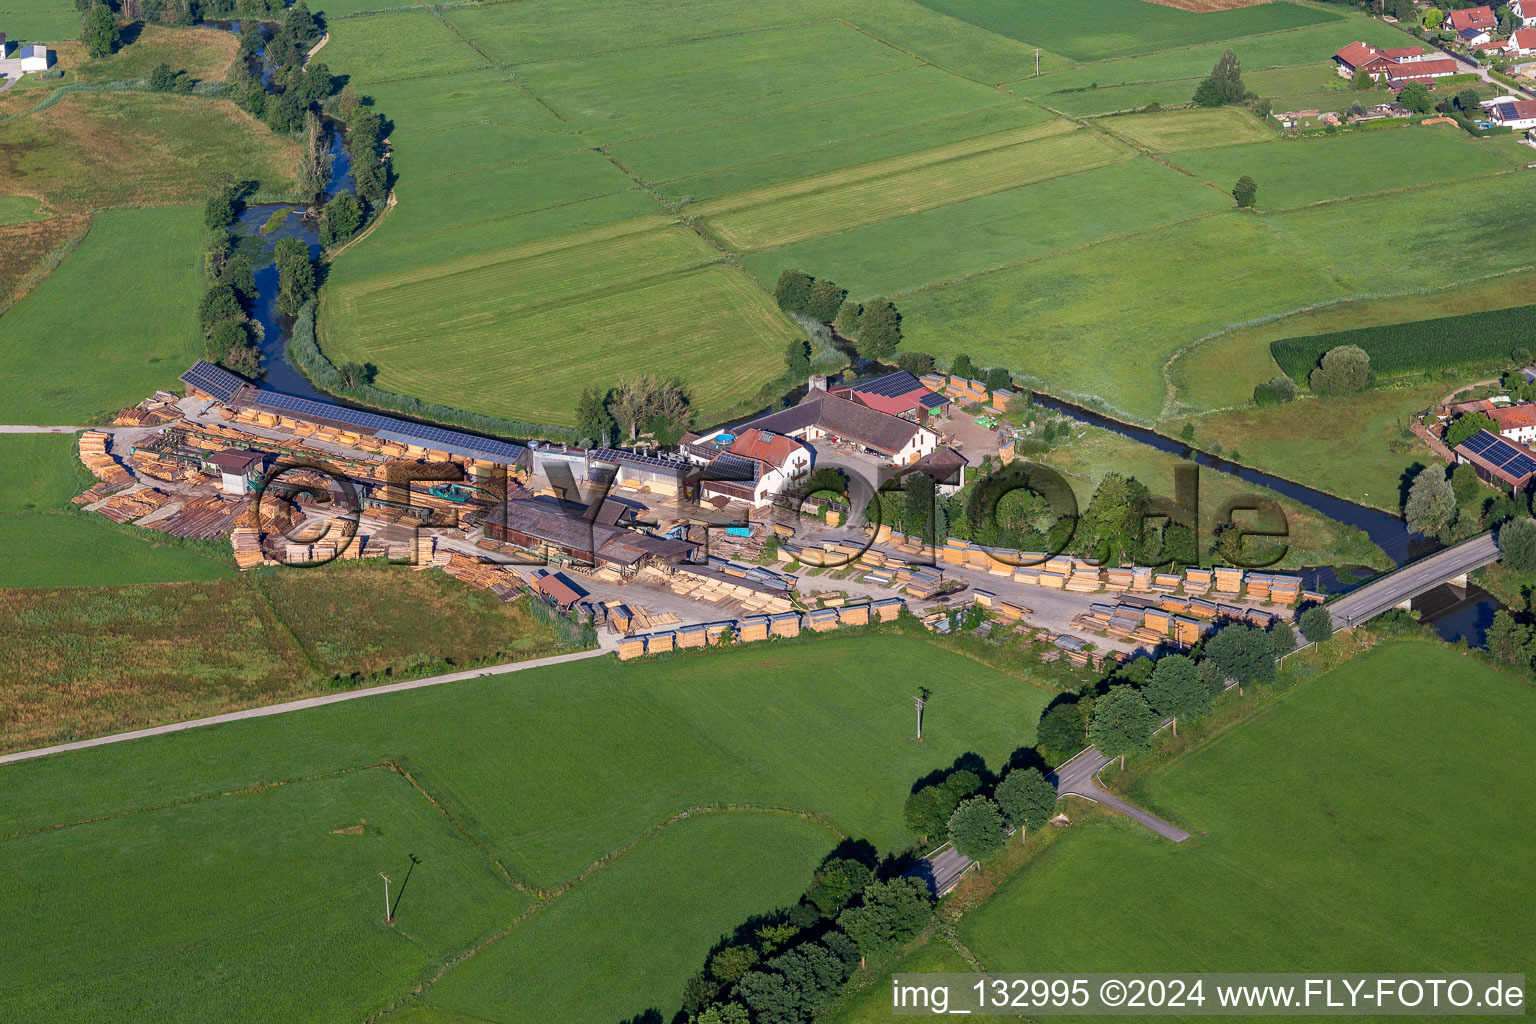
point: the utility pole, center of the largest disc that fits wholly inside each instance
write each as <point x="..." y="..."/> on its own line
<point x="1037" y="62"/>
<point x="387" y="918"/>
<point x="921" y="700"/>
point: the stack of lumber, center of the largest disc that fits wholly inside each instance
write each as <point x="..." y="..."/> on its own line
<point x="1197" y="581"/>
<point x="631" y="647"/>
<point x="93" y="454"/>
<point x="147" y="413"/>
<point x="1084" y="580"/>
<point x="247" y="544"/>
<point x="161" y="468"/>
<point x="1202" y="609"/>
<point x="1118" y="579"/>
<point x="691" y="636"/>
<point x="1141" y="578"/>
<point x="985" y="598"/>
<point x="1285" y="589"/>
<point x="1187" y="631"/>
<point x="97" y="491"/>
<point x="1167" y="581"/>
<point x="1228" y="580"/>
<point x="752" y="629"/>
<point x="1011" y="611"/>
<point x="784" y="624"/>
<point x="1176" y="605"/>
<point x="660" y="643"/>
<point x="202" y="518"/>
<point x="822" y="619"/>
<point x="888" y="608"/>
<point x="123" y="508"/>
<point x="715" y="632"/>
<point x="854" y="615"/>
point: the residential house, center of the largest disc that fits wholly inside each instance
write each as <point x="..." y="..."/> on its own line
<point x="1518" y="115"/>
<point x="1375" y="60"/>
<point x="1474" y="36"/>
<point x="1516" y="422"/>
<point x="1522" y="42"/>
<point x="1472" y="17"/>
<point x="825" y="416"/>
<point x="753" y="465"/>
<point x="1525" y="10"/>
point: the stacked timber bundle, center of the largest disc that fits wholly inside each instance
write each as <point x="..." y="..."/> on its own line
<point x="660" y="643"/>
<point x="247" y="546"/>
<point x="752" y="629"/>
<point x="985" y="598"/>
<point x="1202" y="609"/>
<point x="93" y="454"/>
<point x="691" y="636"/>
<point x="1118" y="579"/>
<point x="123" y="508"/>
<point x="1176" y="605"/>
<point x="784" y="624"/>
<point x="1085" y="579"/>
<point x="212" y="515"/>
<point x="888" y="608"/>
<point x="1187" y="631"/>
<point x="822" y="619"/>
<point x="716" y="632"/>
<point x="1167" y="582"/>
<point x="1197" y="581"/>
<point x="1013" y="612"/>
<point x="1285" y="589"/>
<point x="631" y="647"/>
<point x="1141" y="578"/>
<point x="1229" y="580"/>
<point x="854" y="615"/>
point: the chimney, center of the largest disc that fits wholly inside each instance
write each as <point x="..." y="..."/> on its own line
<point x="818" y="382"/>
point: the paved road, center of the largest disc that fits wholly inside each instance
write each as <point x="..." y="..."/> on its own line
<point x="1411" y="580"/>
<point x="314" y="702"/>
<point x="25" y="428"/>
<point x="1077" y="778"/>
<point x="942" y="868"/>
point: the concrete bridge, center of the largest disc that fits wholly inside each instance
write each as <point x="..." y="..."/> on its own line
<point x="1399" y="587"/>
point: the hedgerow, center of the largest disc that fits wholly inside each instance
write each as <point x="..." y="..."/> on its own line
<point x="1419" y="345"/>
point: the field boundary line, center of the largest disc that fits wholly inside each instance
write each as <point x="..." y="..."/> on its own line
<point x="551" y="896"/>
<point x="919" y="57"/>
<point x="662" y="44"/>
<point x="304" y="704"/>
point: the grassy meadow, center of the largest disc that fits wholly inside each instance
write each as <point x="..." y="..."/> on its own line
<point x="858" y="142"/>
<point x="1343" y="891"/>
<point x="508" y="798"/>
<point x="115" y="321"/>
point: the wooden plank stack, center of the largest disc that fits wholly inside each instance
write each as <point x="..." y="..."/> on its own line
<point x="246" y="542"/>
<point x="93" y="454"/>
<point x="211" y="515"/>
<point x="131" y="505"/>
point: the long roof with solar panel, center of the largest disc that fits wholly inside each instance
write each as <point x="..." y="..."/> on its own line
<point x="235" y="391"/>
<point x="1511" y="460"/>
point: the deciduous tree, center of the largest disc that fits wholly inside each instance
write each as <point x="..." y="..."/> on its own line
<point x="976" y="828"/>
<point x="1245" y="191"/>
<point x="879" y="329"/>
<point x="1344" y="370"/>
<point x="825" y="300"/>
<point x="1122" y="722"/>
<point x="1517" y="545"/>
<point x="98" y="31"/>
<point x="836" y="882"/>
<point x="891" y="914"/>
<point x="1175" y="690"/>
<point x="1026" y="798"/>
<point x="1316" y="624"/>
<point x="1431" y="503"/>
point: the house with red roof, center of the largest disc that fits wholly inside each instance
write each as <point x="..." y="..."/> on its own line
<point x="1472" y="17"/>
<point x="1517" y="115"/>
<point x="753" y="465"/>
<point x="1399" y="65"/>
<point x="1516" y="422"/>
<point x="1525" y="10"/>
<point x="1522" y="42"/>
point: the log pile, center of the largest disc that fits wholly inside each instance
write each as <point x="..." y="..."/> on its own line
<point x="247" y="545"/>
<point x="124" y="508"/>
<point x="93" y="454"/>
<point x="203" y="518"/>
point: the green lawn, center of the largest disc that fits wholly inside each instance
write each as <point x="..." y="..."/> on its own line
<point x="1340" y="445"/>
<point x="1294" y="172"/>
<point x="40" y="21"/>
<point x="116" y="321"/>
<point x="1119" y="28"/>
<point x="538" y="769"/>
<point x="1102" y="321"/>
<point x="18" y="209"/>
<point x="50" y="543"/>
<point x="1354" y="824"/>
<point x="1175" y="131"/>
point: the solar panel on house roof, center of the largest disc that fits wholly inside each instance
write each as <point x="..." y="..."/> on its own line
<point x="617" y="455"/>
<point x="734" y="467"/>
<point x="892" y="385"/>
<point x="1479" y="442"/>
<point x="1505" y="111"/>
<point x="932" y="400"/>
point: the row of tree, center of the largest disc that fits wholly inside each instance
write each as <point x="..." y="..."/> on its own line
<point x="874" y="326"/>
<point x="1119" y="715"/>
<point x="230" y="335"/>
<point x="782" y="967"/>
<point x="975" y="813"/>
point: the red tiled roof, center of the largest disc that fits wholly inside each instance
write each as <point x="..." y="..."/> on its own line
<point x="1356" y="53"/>
<point x="1524" y="39"/>
<point x="1523" y="110"/>
<point x="1399" y="52"/>
<point x="1473" y="17"/>
<point x="1513" y="417"/>
<point x="1423" y="70"/>
<point x="764" y="446"/>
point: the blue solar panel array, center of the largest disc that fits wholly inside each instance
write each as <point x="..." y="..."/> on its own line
<point x="212" y="380"/>
<point x="222" y="385"/>
<point x="1495" y="450"/>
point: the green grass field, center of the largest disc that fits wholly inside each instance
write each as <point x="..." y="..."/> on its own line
<point x="53" y="544"/>
<point x="41" y="21"/>
<point x="1174" y="131"/>
<point x="516" y="779"/>
<point x="1386" y="851"/>
<point x="116" y="321"/>
<point x="1121" y="28"/>
<point x="1289" y="834"/>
